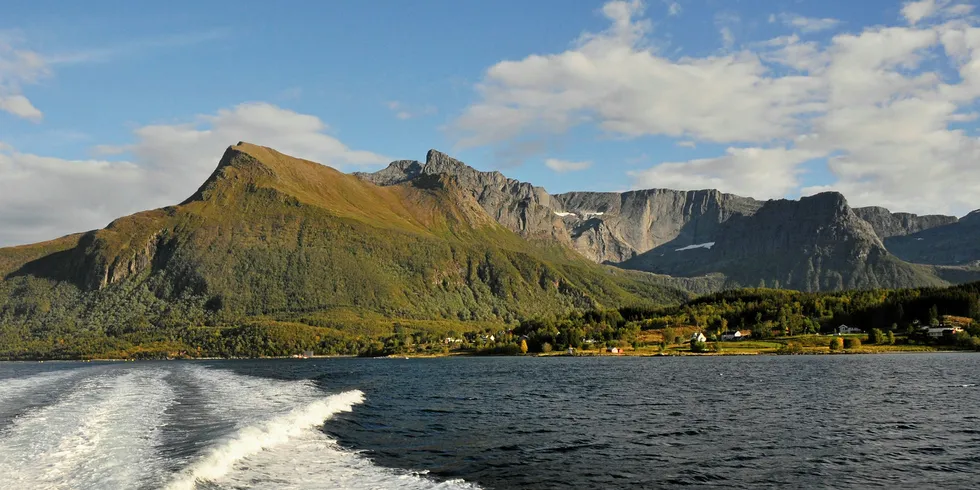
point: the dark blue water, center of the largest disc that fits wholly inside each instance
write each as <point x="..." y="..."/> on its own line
<point x="902" y="421"/>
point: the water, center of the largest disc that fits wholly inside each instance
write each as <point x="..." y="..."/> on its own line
<point x="901" y="421"/>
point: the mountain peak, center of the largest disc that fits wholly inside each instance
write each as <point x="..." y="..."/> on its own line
<point x="439" y="162"/>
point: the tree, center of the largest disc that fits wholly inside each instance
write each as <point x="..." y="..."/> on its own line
<point x="890" y="338"/>
<point x="669" y="334"/>
<point x="698" y="346"/>
<point x="836" y="344"/>
<point x="523" y="346"/>
<point x="934" y="315"/>
<point x="852" y="343"/>
<point x="876" y="336"/>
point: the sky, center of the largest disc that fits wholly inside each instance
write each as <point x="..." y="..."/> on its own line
<point x="110" y="108"/>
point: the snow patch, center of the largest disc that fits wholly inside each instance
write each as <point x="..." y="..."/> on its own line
<point x="565" y="214"/>
<point x="700" y="245"/>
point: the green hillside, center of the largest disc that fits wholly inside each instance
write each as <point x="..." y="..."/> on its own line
<point x="270" y="239"/>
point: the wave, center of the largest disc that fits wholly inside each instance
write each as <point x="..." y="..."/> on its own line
<point x="184" y="426"/>
<point x="102" y="434"/>
<point x="13" y="388"/>
<point x="255" y="439"/>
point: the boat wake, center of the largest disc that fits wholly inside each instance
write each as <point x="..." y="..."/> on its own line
<point x="182" y="427"/>
<point x="253" y="440"/>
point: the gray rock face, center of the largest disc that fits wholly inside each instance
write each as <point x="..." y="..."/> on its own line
<point x="816" y="243"/>
<point x="603" y="226"/>
<point x="887" y="224"/>
<point x="956" y="243"/>
<point x="396" y="173"/>
<point x="615" y="227"/>
<point x="519" y="206"/>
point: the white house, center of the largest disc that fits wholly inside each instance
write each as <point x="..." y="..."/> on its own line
<point x="731" y="335"/>
<point x="698" y="337"/>
<point x="844" y="329"/>
<point x="940" y="331"/>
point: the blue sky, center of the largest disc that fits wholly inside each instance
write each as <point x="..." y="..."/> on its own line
<point x="113" y="108"/>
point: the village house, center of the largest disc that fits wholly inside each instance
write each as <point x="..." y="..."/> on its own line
<point x="698" y="337"/>
<point x="844" y="329"/>
<point x="731" y="336"/>
<point x="942" y="331"/>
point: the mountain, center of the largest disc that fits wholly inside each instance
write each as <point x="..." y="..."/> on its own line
<point x="272" y="235"/>
<point x="956" y="243"/>
<point x="815" y="243"/>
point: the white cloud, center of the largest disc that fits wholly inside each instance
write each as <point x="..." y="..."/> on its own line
<point x="673" y="8"/>
<point x="806" y="24"/>
<point x="19" y="106"/>
<point x="727" y="22"/>
<point x="562" y="166"/>
<point x="687" y="144"/>
<point x="918" y="11"/>
<point x="880" y="100"/>
<point x="612" y="80"/>
<point x="134" y="47"/>
<point x="759" y="172"/>
<point x="727" y="37"/>
<point x="914" y="12"/>
<point x="41" y="197"/>
<point x="19" y="67"/>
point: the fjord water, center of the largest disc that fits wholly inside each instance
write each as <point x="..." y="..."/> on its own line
<point x="905" y="421"/>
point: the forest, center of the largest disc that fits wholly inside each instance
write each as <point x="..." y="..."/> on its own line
<point x="133" y="323"/>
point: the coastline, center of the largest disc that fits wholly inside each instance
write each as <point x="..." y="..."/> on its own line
<point x="645" y="352"/>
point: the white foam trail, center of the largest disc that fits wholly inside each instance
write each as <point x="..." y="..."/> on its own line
<point x="313" y="460"/>
<point x="255" y="439"/>
<point x="246" y="400"/>
<point x="11" y="388"/>
<point x="101" y="435"/>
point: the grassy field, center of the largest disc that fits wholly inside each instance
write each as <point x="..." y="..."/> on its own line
<point x="808" y="344"/>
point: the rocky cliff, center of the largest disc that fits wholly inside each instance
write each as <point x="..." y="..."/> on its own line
<point x="887" y="224"/>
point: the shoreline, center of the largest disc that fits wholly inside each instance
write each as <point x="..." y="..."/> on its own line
<point x="862" y="351"/>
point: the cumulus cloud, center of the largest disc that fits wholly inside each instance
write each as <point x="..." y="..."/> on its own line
<point x="613" y="80"/>
<point x="562" y="166"/>
<point x="42" y="197"/>
<point x="763" y="173"/>
<point x="880" y="102"/>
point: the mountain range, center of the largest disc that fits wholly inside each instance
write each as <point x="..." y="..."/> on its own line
<point x="816" y="243"/>
<point x="281" y="238"/>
